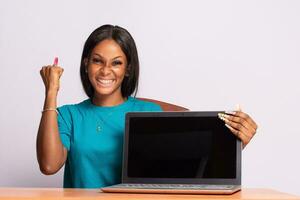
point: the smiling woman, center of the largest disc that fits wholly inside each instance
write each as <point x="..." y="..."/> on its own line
<point x="87" y="137"/>
<point x="106" y="69"/>
<point x="110" y="49"/>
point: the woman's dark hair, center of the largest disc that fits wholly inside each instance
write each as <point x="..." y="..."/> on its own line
<point x="122" y="37"/>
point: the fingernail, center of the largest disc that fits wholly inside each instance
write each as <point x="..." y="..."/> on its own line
<point x="230" y="112"/>
<point x="221" y="116"/>
<point x="225" y="116"/>
<point x="55" y="61"/>
<point x="228" y="126"/>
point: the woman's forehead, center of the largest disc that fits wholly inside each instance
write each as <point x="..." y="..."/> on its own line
<point x="108" y="49"/>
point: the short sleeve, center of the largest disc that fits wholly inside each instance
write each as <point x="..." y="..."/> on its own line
<point x="64" y="121"/>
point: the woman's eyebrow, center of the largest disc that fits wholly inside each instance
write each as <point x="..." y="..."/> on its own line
<point x="116" y="57"/>
<point x="103" y="57"/>
<point x="96" y="54"/>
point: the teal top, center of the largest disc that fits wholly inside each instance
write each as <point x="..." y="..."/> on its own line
<point x="93" y="136"/>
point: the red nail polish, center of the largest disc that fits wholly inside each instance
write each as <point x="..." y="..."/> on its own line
<point x="55" y="61"/>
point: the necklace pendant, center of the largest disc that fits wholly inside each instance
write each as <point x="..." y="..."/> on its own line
<point x="98" y="128"/>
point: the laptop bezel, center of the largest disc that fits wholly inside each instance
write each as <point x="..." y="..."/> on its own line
<point x="216" y="181"/>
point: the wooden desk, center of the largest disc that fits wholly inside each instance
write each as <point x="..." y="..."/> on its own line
<point x="59" y="193"/>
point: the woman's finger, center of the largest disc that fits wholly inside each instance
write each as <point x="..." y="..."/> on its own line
<point x="240" y="127"/>
<point x="47" y="73"/>
<point x="245" y="140"/>
<point x="240" y="120"/>
<point x="247" y="118"/>
<point x="61" y="72"/>
<point x="42" y="73"/>
<point x="239" y="116"/>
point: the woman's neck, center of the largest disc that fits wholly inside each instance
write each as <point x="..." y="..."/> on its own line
<point x="109" y="100"/>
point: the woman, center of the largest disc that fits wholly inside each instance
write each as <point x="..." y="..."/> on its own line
<point x="87" y="137"/>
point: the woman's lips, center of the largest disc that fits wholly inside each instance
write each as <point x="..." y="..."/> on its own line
<point x="105" y="82"/>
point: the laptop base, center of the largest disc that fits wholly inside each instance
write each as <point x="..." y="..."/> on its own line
<point x="120" y="189"/>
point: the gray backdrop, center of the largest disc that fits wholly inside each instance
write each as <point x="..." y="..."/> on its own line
<point x="205" y="55"/>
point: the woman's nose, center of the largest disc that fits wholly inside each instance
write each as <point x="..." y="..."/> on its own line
<point x="105" y="69"/>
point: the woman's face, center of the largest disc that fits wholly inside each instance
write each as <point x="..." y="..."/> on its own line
<point x="107" y="68"/>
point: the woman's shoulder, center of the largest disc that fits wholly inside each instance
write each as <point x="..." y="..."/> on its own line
<point x="71" y="108"/>
<point x="142" y="105"/>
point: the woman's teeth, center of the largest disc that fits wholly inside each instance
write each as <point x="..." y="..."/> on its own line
<point x="105" y="81"/>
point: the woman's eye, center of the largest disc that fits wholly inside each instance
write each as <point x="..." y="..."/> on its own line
<point x="96" y="61"/>
<point x="117" y="62"/>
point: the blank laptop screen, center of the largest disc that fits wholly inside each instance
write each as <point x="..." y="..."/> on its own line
<point x="180" y="147"/>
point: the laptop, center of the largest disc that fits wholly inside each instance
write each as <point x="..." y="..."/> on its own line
<point x="179" y="152"/>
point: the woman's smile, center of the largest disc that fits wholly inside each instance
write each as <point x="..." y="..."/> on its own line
<point x="105" y="82"/>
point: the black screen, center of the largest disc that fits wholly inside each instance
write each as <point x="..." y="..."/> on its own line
<point x="180" y="147"/>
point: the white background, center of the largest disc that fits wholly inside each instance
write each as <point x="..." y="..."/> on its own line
<point x="204" y="55"/>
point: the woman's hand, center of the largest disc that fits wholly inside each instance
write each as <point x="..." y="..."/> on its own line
<point x="240" y="124"/>
<point x="51" y="75"/>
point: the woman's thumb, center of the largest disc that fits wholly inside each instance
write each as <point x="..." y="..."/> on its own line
<point x="238" y="107"/>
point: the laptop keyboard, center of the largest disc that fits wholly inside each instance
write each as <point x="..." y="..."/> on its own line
<point x="175" y="186"/>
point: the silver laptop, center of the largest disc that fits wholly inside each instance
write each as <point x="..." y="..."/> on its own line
<point x="179" y="152"/>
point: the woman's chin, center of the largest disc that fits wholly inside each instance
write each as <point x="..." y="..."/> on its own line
<point x="106" y="91"/>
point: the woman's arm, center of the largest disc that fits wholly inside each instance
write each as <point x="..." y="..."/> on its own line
<point x="51" y="153"/>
